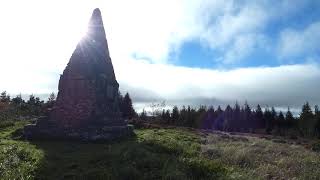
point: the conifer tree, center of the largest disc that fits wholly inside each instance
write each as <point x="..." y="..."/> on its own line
<point x="274" y="116"/>
<point x="259" y="117"/>
<point x="52" y="97"/>
<point x="208" y="124"/>
<point x="163" y="114"/>
<point x="143" y="115"/>
<point x="235" y="120"/>
<point x="4" y="97"/>
<point x="290" y="121"/>
<point x="227" y="118"/>
<point x="189" y="117"/>
<point x="182" y="117"/>
<point x="247" y="116"/>
<point x="317" y="119"/>
<point x="31" y="100"/>
<point x="126" y="107"/>
<point x="17" y="101"/>
<point x="307" y="122"/>
<point x="281" y="123"/>
<point x="316" y="111"/>
<point x="201" y="115"/>
<point x="51" y="100"/>
<point x="174" y="115"/>
<point x="269" y="120"/>
<point x="167" y="116"/>
<point x="219" y="119"/>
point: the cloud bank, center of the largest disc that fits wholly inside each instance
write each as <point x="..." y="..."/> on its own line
<point x="283" y="86"/>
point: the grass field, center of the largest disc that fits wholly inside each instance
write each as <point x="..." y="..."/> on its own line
<point x="175" y="153"/>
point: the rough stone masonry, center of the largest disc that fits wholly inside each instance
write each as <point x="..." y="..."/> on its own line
<point x="87" y="104"/>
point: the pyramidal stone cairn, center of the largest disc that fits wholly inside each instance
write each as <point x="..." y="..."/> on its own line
<point x="87" y="106"/>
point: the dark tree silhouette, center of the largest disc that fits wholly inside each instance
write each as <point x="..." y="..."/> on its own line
<point x="17" y="101"/>
<point x="51" y="100"/>
<point x="143" y="115"/>
<point x="174" y="115"/>
<point x="4" y="97"/>
<point x="290" y="120"/>
<point x="258" y="121"/>
<point x="317" y="118"/>
<point x="307" y="121"/>
<point x="281" y="123"/>
<point x="269" y="120"/>
<point x="126" y="107"/>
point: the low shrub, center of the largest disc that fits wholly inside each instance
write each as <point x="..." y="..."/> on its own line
<point x="316" y="146"/>
<point x="4" y="124"/>
<point x="203" y="168"/>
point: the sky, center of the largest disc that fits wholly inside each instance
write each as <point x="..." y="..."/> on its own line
<point x="187" y="52"/>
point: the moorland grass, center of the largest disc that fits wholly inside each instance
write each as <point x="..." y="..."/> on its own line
<point x="151" y="154"/>
<point x="257" y="158"/>
<point x="175" y="153"/>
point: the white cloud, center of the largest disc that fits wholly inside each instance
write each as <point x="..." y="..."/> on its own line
<point x="237" y="20"/>
<point x="295" y="43"/>
<point x="150" y="29"/>
<point x="242" y="47"/>
<point x="156" y="29"/>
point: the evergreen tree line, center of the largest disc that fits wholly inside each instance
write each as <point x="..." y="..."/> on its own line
<point x="245" y="119"/>
<point x="16" y="107"/>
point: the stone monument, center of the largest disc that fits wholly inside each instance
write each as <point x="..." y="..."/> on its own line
<point x="87" y="104"/>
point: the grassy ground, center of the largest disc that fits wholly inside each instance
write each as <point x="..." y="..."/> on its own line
<point x="157" y="154"/>
<point x="258" y="158"/>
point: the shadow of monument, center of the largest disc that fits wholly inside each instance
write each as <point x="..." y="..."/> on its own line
<point x="127" y="159"/>
<point x="132" y="158"/>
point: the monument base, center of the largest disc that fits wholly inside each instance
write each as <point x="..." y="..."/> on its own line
<point x="50" y="131"/>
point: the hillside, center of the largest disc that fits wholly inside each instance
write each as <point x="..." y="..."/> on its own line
<point x="172" y="153"/>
